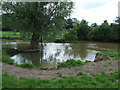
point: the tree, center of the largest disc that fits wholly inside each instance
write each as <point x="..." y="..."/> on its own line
<point x="69" y="24"/>
<point x="102" y="33"/>
<point x="82" y="32"/>
<point x="93" y="29"/>
<point x="42" y="19"/>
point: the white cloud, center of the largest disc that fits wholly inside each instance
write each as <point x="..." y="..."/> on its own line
<point x="107" y="10"/>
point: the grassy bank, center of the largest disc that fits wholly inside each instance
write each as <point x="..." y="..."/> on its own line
<point x="110" y="55"/>
<point x="102" y="80"/>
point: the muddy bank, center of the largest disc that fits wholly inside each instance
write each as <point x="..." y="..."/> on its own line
<point x="88" y="68"/>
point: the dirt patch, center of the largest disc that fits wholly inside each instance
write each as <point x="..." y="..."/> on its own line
<point x="89" y="68"/>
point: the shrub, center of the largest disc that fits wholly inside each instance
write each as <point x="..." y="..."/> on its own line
<point x="7" y="59"/>
<point x="10" y="51"/>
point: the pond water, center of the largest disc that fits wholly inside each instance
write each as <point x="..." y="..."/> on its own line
<point x="59" y="52"/>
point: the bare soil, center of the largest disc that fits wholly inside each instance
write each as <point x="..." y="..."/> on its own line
<point x="88" y="68"/>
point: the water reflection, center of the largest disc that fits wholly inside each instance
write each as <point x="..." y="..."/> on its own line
<point x="57" y="52"/>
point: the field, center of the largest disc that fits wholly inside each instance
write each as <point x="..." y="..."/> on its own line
<point x="9" y="35"/>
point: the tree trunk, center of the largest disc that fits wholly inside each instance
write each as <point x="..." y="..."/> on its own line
<point x="34" y="43"/>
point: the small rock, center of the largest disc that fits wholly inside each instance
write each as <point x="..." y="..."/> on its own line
<point x="99" y="58"/>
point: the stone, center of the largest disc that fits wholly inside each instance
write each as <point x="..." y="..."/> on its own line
<point x="98" y="58"/>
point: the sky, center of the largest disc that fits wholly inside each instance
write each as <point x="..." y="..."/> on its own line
<point x="95" y="11"/>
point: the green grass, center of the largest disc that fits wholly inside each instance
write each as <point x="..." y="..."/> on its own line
<point x="0" y="81"/>
<point x="6" y="58"/>
<point x="80" y="73"/>
<point x="102" y="80"/>
<point x="111" y="55"/>
<point x="70" y="63"/>
<point x="27" y="65"/>
<point x="9" y="35"/>
<point x="6" y="53"/>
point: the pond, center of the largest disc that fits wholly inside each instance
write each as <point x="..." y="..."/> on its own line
<point x="59" y="52"/>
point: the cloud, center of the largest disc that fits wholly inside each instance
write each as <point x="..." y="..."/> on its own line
<point x="89" y="4"/>
<point x="98" y="14"/>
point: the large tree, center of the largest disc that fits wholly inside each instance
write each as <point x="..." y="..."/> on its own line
<point x="42" y="19"/>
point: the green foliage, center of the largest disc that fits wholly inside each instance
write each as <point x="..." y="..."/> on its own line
<point x="107" y="80"/>
<point x="9" y="51"/>
<point x="70" y="63"/>
<point x="25" y="35"/>
<point x="83" y="30"/>
<point x="103" y="32"/>
<point x="27" y="65"/>
<point x="6" y="58"/>
<point x="70" y="35"/>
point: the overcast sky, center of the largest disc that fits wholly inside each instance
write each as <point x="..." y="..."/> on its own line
<point x="95" y="10"/>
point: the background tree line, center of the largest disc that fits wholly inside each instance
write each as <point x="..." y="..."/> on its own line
<point x="83" y="32"/>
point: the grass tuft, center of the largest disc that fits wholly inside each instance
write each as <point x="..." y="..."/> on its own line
<point x="70" y="63"/>
<point x="27" y="65"/>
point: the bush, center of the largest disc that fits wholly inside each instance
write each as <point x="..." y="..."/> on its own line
<point x="10" y="51"/>
<point x="7" y="59"/>
<point x="70" y="63"/>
